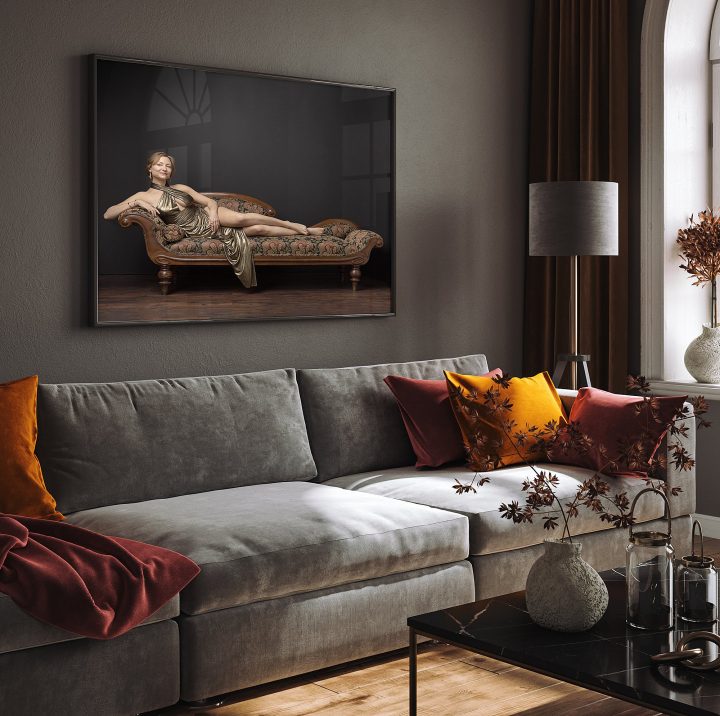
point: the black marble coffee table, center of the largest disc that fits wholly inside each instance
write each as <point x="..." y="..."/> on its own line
<point x="611" y="658"/>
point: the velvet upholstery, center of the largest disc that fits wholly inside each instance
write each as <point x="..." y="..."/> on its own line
<point x="264" y="641"/>
<point x="535" y="403"/>
<point x="134" y="673"/>
<point x="267" y="541"/>
<point x="505" y="572"/>
<point x="489" y="531"/>
<point x="22" y="488"/>
<point x="296" y="575"/>
<point x="110" y="443"/>
<point x="22" y="631"/>
<point x="429" y="420"/>
<point x="613" y="422"/>
<point x="352" y="419"/>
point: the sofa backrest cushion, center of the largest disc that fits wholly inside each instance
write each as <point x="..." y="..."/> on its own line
<point x="111" y="443"/>
<point x="353" y="420"/>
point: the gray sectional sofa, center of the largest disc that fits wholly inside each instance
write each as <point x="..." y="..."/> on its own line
<point x="295" y="493"/>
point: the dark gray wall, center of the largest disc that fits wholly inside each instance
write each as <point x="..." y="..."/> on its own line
<point x="461" y="72"/>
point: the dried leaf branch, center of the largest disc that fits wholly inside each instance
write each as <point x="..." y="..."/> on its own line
<point x="700" y="251"/>
<point x="634" y="454"/>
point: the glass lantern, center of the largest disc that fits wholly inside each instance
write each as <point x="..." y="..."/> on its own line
<point x="649" y="575"/>
<point x="697" y="585"/>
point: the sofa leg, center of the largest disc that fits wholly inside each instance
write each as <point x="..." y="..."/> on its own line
<point x="165" y="279"/>
<point x="209" y="703"/>
<point x="355" y="277"/>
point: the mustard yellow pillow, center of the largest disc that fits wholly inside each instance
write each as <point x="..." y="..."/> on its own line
<point x="479" y="404"/>
<point x="22" y="488"/>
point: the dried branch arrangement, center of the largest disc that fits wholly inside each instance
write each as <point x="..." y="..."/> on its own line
<point x="700" y="251"/>
<point x="635" y="454"/>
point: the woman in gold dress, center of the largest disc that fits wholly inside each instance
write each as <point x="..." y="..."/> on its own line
<point x="200" y="216"/>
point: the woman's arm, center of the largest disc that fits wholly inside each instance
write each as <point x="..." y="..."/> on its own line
<point x="137" y="199"/>
<point x="210" y="205"/>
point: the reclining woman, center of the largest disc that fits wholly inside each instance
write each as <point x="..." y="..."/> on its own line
<point x="199" y="216"/>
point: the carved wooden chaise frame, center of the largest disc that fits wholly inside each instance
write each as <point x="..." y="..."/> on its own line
<point x="166" y="259"/>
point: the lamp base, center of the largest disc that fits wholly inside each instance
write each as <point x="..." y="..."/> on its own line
<point x="582" y="359"/>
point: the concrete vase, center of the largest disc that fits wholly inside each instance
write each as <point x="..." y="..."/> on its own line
<point x="702" y="357"/>
<point x="563" y="592"/>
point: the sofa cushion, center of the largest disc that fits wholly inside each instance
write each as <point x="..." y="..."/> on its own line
<point x="489" y="531"/>
<point x="266" y="541"/>
<point x="19" y="630"/>
<point x="478" y="403"/>
<point x="625" y="431"/>
<point x="353" y="421"/>
<point x="108" y="443"/>
<point x="429" y="420"/>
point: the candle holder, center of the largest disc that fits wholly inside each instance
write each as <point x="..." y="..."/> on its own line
<point x="697" y="585"/>
<point x="649" y="575"/>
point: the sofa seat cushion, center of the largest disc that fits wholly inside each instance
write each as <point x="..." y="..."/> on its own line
<point x="266" y="541"/>
<point x="341" y="240"/>
<point x="489" y="531"/>
<point x="19" y="630"/>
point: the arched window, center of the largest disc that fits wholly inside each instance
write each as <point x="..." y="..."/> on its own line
<point x="180" y="122"/>
<point x="676" y="181"/>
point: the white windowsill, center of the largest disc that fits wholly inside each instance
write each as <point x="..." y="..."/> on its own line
<point x="711" y="391"/>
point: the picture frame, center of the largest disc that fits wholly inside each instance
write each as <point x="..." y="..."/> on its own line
<point x="263" y="148"/>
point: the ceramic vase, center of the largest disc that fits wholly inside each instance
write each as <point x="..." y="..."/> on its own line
<point x="702" y="357"/>
<point x="563" y="592"/>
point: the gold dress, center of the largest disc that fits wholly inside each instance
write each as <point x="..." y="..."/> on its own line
<point x="178" y="207"/>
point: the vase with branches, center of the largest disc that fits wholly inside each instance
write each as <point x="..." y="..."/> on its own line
<point x="542" y="500"/>
<point x="699" y="245"/>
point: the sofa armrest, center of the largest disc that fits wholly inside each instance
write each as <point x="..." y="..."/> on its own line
<point x="685" y="502"/>
<point x="567" y="397"/>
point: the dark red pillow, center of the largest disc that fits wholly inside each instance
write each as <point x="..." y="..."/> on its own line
<point x="611" y="421"/>
<point x="429" y="419"/>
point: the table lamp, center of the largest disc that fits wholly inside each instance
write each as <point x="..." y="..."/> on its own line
<point x="573" y="218"/>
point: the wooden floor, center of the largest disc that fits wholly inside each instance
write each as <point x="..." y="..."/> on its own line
<point x="451" y="682"/>
<point x="214" y="294"/>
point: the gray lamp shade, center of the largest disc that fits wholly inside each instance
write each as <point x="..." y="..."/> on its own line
<point x="574" y="218"/>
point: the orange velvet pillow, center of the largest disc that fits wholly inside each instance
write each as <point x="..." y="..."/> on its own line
<point x="22" y="488"/>
<point x="535" y="402"/>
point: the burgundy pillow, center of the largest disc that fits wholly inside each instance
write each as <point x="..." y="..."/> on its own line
<point x="429" y="419"/>
<point x="613" y="422"/>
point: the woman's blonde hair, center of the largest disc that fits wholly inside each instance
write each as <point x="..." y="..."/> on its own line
<point x="155" y="156"/>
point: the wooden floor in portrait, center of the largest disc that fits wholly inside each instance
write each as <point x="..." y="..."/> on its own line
<point x="451" y="682"/>
<point x="214" y="294"/>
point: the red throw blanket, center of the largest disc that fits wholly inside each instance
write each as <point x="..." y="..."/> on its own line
<point x="90" y="584"/>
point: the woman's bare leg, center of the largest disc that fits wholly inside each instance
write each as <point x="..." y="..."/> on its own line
<point x="265" y="230"/>
<point x="236" y="219"/>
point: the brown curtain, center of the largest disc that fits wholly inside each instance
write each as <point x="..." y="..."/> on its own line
<point x="579" y="129"/>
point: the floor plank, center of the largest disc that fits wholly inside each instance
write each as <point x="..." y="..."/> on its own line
<point x="129" y="299"/>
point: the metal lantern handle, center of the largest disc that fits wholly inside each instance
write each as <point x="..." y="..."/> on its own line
<point x="667" y="508"/>
<point x="692" y="545"/>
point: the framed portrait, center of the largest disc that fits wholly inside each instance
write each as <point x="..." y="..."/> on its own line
<point x="224" y="195"/>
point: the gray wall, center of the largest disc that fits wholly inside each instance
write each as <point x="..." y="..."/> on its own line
<point x="461" y="72"/>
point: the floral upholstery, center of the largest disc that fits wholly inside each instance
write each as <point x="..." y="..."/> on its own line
<point x="169" y="234"/>
<point x="245" y="207"/>
<point x="336" y="240"/>
<point x="340" y="239"/>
